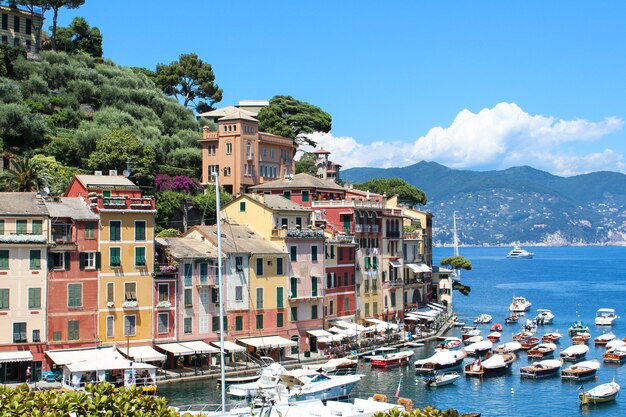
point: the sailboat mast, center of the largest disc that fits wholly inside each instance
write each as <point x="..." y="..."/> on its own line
<point x="455" y="238"/>
<point x="220" y="285"/>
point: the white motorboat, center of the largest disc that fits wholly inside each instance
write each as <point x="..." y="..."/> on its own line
<point x="518" y="252"/>
<point x="302" y="385"/>
<point x="605" y="317"/>
<point x="267" y="381"/>
<point x="336" y="366"/>
<point x="519" y="304"/>
<point x="544" y="316"/>
<point x="483" y="319"/>
<point x="472" y="339"/>
<point x="600" y="394"/>
<point x="439" y="380"/>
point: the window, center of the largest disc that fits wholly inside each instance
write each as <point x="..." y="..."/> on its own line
<point x="294" y="313"/>
<point x="215" y="295"/>
<point x="375" y="307"/>
<point x="5" y="21"/>
<point x="140" y="230"/>
<point x="90" y="231"/>
<point x="56" y="336"/>
<point x="72" y="330"/>
<point x="345" y="279"/>
<point x="229" y="148"/>
<point x="239" y="293"/>
<point x="110" y="292"/>
<point x="340" y="254"/>
<point x="294" y="253"/>
<point x="216" y="324"/>
<point x="130" y="291"/>
<point x="313" y="286"/>
<point x="187" y="322"/>
<point x="89" y="260"/>
<point x="299" y="222"/>
<point x="130" y="321"/>
<point x="4" y="298"/>
<point x="4" y="259"/>
<point x="1" y="227"/>
<point x="367" y="309"/>
<point x="280" y="296"/>
<point x="259" y="321"/>
<point x="280" y="320"/>
<point x="35" y="259"/>
<point x="36" y="335"/>
<point x="331" y="307"/>
<point x="74" y="295"/>
<point x="279" y="266"/>
<point x="116" y="259"/>
<point x="294" y="287"/>
<point x="57" y="260"/>
<point x="305" y="196"/>
<point x="314" y="253"/>
<point x="37" y="229"/>
<point x="259" y="267"/>
<point x="187" y="297"/>
<point x="115" y="230"/>
<point x="16" y="41"/>
<point x="34" y="298"/>
<point x="393" y="298"/>
<point x="28" y="29"/>
<point x="19" y="333"/>
<point x="110" y="321"/>
<point x="204" y="273"/>
<point x="346" y="305"/>
<point x="164" y="292"/>
<point x="238" y="323"/>
<point x="188" y="270"/>
<point x="239" y="263"/>
<point x="287" y="195"/>
<point x="242" y="206"/>
<point x="313" y="312"/>
<point x="140" y="257"/>
<point x="16" y="23"/>
<point x="163" y="323"/>
<point x="259" y="298"/>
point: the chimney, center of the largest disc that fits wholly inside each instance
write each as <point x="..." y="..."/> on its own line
<point x="113" y="172"/>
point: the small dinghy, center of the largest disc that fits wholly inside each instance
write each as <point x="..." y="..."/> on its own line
<point x="439" y="380"/>
<point x="600" y="394"/>
<point x="497" y="327"/>
<point x="483" y="319"/>
<point x="494" y="336"/>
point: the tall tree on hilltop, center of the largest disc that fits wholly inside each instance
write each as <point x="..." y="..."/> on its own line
<point x="291" y="118"/>
<point x="306" y="164"/>
<point x="55" y="5"/>
<point x="79" y="37"/>
<point x="191" y="80"/>
<point x="407" y="193"/>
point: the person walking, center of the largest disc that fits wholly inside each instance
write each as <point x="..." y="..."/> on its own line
<point x="28" y="374"/>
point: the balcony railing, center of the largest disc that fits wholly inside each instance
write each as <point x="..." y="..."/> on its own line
<point x="348" y="203"/>
<point x="163" y="269"/>
<point x="122" y="203"/>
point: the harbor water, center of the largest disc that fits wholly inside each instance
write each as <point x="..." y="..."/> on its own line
<point x="571" y="281"/>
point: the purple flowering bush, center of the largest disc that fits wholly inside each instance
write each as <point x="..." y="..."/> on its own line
<point x="180" y="183"/>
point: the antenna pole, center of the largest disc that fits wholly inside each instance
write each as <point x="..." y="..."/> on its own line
<point x="220" y="285"/>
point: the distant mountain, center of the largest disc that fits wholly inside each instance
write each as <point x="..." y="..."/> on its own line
<point x="517" y="204"/>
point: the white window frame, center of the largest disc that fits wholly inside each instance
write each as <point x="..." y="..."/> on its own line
<point x="239" y="294"/>
<point x="90" y="260"/>
<point x="203" y="323"/>
<point x="111" y="320"/>
<point x="167" y="323"/>
<point x="62" y="266"/>
<point x="134" y="328"/>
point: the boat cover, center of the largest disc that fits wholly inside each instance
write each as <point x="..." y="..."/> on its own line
<point x="575" y="350"/>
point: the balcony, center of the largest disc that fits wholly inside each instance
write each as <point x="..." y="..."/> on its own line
<point x="207" y="281"/>
<point x="122" y="203"/>
<point x="130" y="305"/>
<point x="250" y="156"/>
<point x="392" y="212"/>
<point x="395" y="283"/>
<point x="165" y="269"/>
<point x="23" y="237"/>
<point x="348" y="203"/>
<point x="164" y="304"/>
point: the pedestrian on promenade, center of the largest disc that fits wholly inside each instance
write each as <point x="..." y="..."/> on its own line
<point x="28" y="374"/>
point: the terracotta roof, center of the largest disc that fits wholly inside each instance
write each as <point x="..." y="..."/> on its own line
<point x="238" y="114"/>
<point x="229" y="113"/>
<point x="106" y="181"/>
<point x="70" y="207"/>
<point x="188" y="248"/>
<point x="299" y="181"/>
<point x="25" y="204"/>
<point x="239" y="239"/>
<point x="278" y="202"/>
<point x="321" y="151"/>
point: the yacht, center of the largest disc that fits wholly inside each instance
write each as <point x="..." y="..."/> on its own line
<point x="519" y="304"/>
<point x="605" y="317"/>
<point x="518" y="252"/>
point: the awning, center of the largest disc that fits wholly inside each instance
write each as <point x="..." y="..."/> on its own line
<point x="265" y="342"/>
<point x="419" y="268"/>
<point x="176" y="349"/>
<point x="198" y="346"/>
<point x="143" y="354"/>
<point x="117" y="363"/>
<point x="436" y="306"/>
<point x="423" y="316"/>
<point x="330" y="339"/>
<point x="16" y="356"/>
<point x="229" y="346"/>
<point x="395" y="264"/>
<point x="348" y="325"/>
<point x="63" y="357"/>
<point x="382" y="325"/>
<point x="319" y="333"/>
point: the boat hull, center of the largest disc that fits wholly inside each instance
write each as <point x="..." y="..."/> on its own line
<point x="538" y="373"/>
<point x="388" y="363"/>
<point x="579" y="375"/>
<point x="428" y="368"/>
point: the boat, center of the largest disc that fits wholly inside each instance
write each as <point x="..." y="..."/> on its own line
<point x="581" y="338"/>
<point x="508" y="347"/>
<point x="605" y="317"/>
<point x="511" y="318"/>
<point x="518" y="253"/>
<point x="497" y="327"/>
<point x="542" y="350"/>
<point x="492" y="365"/>
<point x="616" y="355"/>
<point x="449" y="343"/>
<point x="574" y="353"/>
<point x="444" y="359"/>
<point x="471" y="333"/>
<point x="441" y="379"/>
<point x="613" y="344"/>
<point x="600" y="394"/>
<point x="483" y="319"/>
<point x="472" y="339"/>
<point x="529" y="343"/>
<point x="335" y="366"/>
<point x="581" y="370"/>
<point x="494" y="336"/>
<point x="458" y="324"/>
<point x="412" y="344"/>
<point x="544" y="316"/>
<point x="604" y="338"/>
<point x="523" y="335"/>
<point x="578" y="327"/>
<point x="519" y="304"/>
<point x="552" y="337"/>
<point x="303" y="384"/>
<point x="266" y="381"/>
<point x="387" y="360"/>
<point x="541" y="369"/>
<point x="378" y="352"/>
<point x="479" y="348"/>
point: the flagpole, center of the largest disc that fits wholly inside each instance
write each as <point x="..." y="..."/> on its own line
<point x="220" y="284"/>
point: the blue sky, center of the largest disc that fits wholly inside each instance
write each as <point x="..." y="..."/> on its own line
<point x="473" y="85"/>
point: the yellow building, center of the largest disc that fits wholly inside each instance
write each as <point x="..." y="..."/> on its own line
<point x="19" y="27"/>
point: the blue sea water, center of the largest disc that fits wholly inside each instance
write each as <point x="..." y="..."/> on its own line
<point x="571" y="281"/>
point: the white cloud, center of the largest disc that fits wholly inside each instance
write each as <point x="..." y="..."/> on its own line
<point x="495" y="138"/>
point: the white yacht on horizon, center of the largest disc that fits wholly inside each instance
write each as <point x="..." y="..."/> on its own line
<point x="518" y="252"/>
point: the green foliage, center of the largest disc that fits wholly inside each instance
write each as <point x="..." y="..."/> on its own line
<point x="191" y="80"/>
<point x="187" y="158"/>
<point x="58" y="174"/>
<point x="407" y="194"/>
<point x="55" y="5"/>
<point x="205" y="203"/>
<point x="306" y="164"/>
<point x="168" y="233"/>
<point x="21" y="128"/>
<point x="168" y="204"/>
<point x="456" y="262"/>
<point x="427" y="411"/>
<point x="79" y="37"/>
<point x="291" y="118"/>
<point x="26" y="174"/>
<point x="96" y="400"/>
<point x="9" y="55"/>
<point x="463" y="289"/>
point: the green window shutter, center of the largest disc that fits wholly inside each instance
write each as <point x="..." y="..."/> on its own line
<point x="37" y="227"/>
<point x="294" y="288"/>
<point x="67" y="261"/>
<point x="313" y="312"/>
<point x="72" y="330"/>
<point x="305" y="196"/>
<point x="82" y="260"/>
<point x="279" y="266"/>
<point x="293" y="253"/>
<point x="74" y="295"/>
<point x="314" y="253"/>
<point x="140" y="257"/>
<point x="259" y="321"/>
<point x="35" y="259"/>
<point x="98" y="260"/>
<point x="280" y="320"/>
<point x="314" y="286"/>
<point x="242" y="206"/>
<point x="294" y="313"/>
<point x="140" y="230"/>
<point x="280" y="297"/>
<point x="34" y="298"/>
<point x="238" y="323"/>
<point x="1" y="227"/>
<point x="115" y="232"/>
<point x="115" y="260"/>
<point x="4" y="259"/>
<point x="4" y="298"/>
<point x="21" y="227"/>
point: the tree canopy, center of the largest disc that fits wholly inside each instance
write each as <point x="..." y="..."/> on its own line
<point x="407" y="194"/>
<point x="306" y="164"/>
<point x="457" y="262"/>
<point x="55" y="6"/>
<point x="80" y="37"/>
<point x="285" y="116"/>
<point x="190" y="80"/>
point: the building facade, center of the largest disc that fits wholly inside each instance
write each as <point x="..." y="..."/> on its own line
<point x="19" y="27"/>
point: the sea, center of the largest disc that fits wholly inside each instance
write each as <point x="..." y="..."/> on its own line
<point x="573" y="282"/>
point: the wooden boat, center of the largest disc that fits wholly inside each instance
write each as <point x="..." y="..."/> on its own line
<point x="581" y="370"/>
<point x="439" y="380"/>
<point x="522" y="335"/>
<point x="529" y="343"/>
<point x="600" y="394"/>
<point x="483" y="319"/>
<point x="551" y="337"/>
<point x="574" y="353"/>
<point x="449" y="343"/>
<point x="510" y="319"/>
<point x="578" y="327"/>
<point x="472" y="339"/>
<point x="615" y="344"/>
<point x="494" y="336"/>
<point x="616" y="355"/>
<point x="471" y="333"/>
<point x="542" y="350"/>
<point x="581" y="338"/>
<point x="541" y="369"/>
<point x="605" y="338"/>
<point x="479" y="348"/>
<point x="492" y="365"/>
<point x="444" y="359"/>
<point x="497" y="327"/>
<point x="508" y="347"/>
<point x="387" y="360"/>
